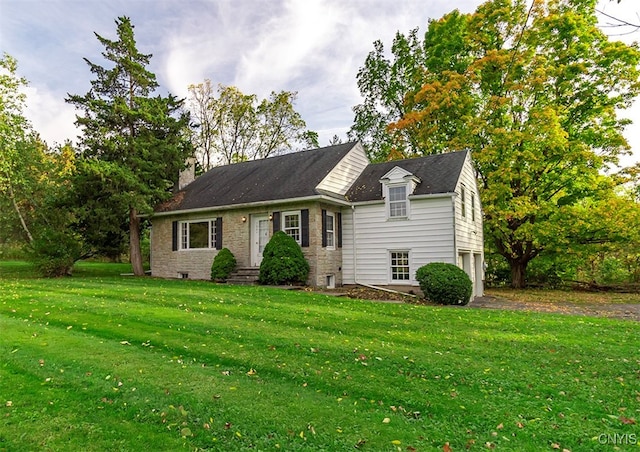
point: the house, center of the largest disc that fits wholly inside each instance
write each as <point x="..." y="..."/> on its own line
<point x="357" y="222"/>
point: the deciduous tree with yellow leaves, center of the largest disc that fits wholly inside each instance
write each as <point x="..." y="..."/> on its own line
<point x="534" y="90"/>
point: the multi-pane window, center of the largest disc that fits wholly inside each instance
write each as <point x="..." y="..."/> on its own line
<point x="400" y="266"/>
<point x="292" y="225"/>
<point x="463" y="200"/>
<point x="473" y="207"/>
<point x="398" y="201"/>
<point x="330" y="230"/>
<point x="197" y="234"/>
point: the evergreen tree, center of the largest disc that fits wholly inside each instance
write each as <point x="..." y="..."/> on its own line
<point x="133" y="142"/>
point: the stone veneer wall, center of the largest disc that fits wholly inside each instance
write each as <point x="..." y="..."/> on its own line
<point x="323" y="261"/>
<point x="236" y="236"/>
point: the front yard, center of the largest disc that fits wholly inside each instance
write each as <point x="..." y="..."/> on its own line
<point x="104" y="362"/>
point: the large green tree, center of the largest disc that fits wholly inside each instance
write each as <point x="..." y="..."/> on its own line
<point x="134" y="141"/>
<point x="533" y="89"/>
<point x="34" y="183"/>
<point x="232" y="126"/>
<point x="15" y="133"/>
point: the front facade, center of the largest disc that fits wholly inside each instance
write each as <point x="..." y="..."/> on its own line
<point x="356" y="222"/>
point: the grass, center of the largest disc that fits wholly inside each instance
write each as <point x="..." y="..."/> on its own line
<point x="103" y="362"/>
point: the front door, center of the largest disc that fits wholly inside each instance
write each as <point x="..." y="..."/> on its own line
<point x="259" y="237"/>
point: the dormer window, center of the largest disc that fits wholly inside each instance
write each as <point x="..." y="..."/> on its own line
<point x="397" y="185"/>
<point x="398" y="201"/>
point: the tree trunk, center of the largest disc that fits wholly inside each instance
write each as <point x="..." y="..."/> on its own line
<point x="135" y="253"/>
<point x="518" y="272"/>
<point x="17" y="209"/>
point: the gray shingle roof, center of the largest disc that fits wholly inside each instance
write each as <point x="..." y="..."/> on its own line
<point x="438" y="174"/>
<point x="298" y="174"/>
<point x="286" y="176"/>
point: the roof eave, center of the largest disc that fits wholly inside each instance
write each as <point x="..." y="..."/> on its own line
<point x="329" y="199"/>
<point x="433" y="195"/>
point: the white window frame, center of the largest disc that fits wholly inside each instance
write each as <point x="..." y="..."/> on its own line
<point x="185" y="234"/>
<point x="391" y="203"/>
<point x="463" y="201"/>
<point x="473" y="206"/>
<point x="293" y="231"/>
<point x="331" y="231"/>
<point x="393" y="260"/>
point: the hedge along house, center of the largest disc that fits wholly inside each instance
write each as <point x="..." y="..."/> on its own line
<point x="357" y="223"/>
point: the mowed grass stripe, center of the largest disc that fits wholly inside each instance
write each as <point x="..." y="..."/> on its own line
<point x="263" y="367"/>
<point x="170" y="380"/>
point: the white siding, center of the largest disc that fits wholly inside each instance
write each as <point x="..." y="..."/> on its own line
<point x="468" y="231"/>
<point x="469" y="237"/>
<point x="344" y="174"/>
<point x="428" y="236"/>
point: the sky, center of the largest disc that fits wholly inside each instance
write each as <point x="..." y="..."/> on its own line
<point x="313" y="47"/>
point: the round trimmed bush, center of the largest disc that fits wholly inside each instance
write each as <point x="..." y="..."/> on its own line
<point x="444" y="283"/>
<point x="283" y="261"/>
<point x="223" y="264"/>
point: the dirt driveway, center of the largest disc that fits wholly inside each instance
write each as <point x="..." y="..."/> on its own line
<point x="613" y="310"/>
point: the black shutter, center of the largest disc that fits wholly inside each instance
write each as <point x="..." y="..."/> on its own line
<point x="174" y="236"/>
<point x="339" y="226"/>
<point x="276" y="221"/>
<point x="324" y="228"/>
<point x="219" y="233"/>
<point x="304" y="218"/>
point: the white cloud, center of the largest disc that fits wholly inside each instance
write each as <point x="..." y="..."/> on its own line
<point x="314" y="47"/>
<point x="50" y="116"/>
<point x="290" y="46"/>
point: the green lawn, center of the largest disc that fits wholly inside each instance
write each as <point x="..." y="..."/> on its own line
<point x="98" y="363"/>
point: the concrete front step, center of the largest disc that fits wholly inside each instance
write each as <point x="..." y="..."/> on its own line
<point x="244" y="275"/>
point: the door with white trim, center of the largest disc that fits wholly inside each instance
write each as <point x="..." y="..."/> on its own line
<point x="259" y="237"/>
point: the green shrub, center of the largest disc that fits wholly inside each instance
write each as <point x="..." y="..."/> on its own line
<point x="283" y="261"/>
<point x="223" y="264"/>
<point x="53" y="252"/>
<point x="444" y="283"/>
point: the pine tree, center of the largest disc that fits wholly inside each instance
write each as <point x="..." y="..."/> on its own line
<point x="133" y="141"/>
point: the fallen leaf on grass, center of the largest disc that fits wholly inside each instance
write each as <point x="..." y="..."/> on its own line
<point x="9" y="403"/>
<point x="125" y="342"/>
<point x="251" y="372"/>
<point x="386" y="420"/>
<point x="627" y="421"/>
<point x="447" y="448"/>
<point x="360" y="443"/>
